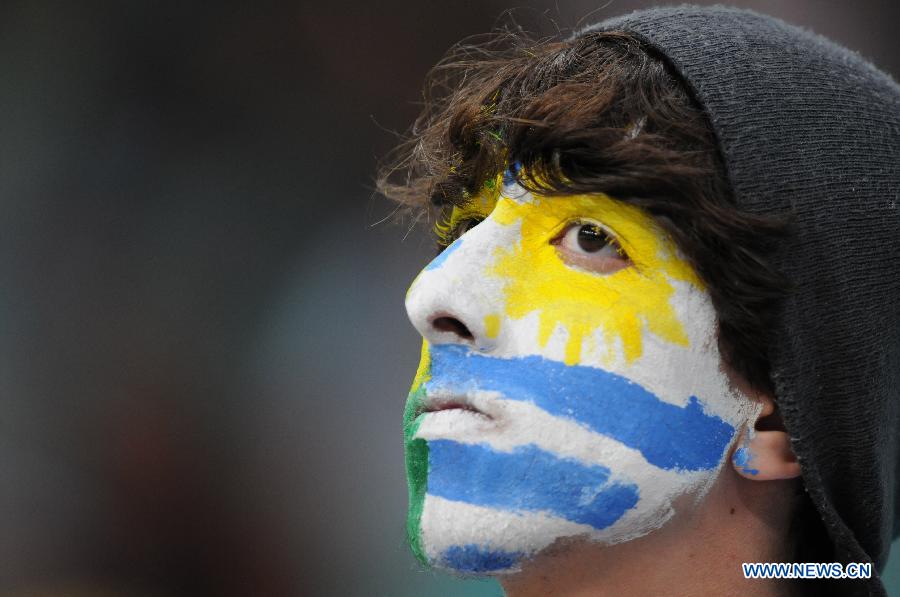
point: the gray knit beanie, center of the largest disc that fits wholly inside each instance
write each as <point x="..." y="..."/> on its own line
<point x="808" y="127"/>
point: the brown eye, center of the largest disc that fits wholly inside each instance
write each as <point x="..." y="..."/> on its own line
<point x="590" y="247"/>
<point x="592" y="238"/>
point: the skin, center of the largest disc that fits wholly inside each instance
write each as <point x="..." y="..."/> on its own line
<point x="532" y="284"/>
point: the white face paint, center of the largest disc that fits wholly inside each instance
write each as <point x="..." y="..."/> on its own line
<point x="570" y="383"/>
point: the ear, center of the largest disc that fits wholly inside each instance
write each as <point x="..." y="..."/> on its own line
<point x="763" y="452"/>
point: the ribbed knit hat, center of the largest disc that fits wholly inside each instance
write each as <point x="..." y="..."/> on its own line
<point x="806" y="126"/>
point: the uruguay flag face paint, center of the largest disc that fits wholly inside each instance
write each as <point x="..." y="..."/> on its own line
<point x="570" y="383"/>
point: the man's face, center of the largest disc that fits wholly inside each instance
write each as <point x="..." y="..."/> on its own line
<point x="570" y="382"/>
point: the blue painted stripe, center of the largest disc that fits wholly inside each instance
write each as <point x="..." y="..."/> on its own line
<point x="473" y="558"/>
<point x="440" y="259"/>
<point x="527" y="479"/>
<point x="669" y="436"/>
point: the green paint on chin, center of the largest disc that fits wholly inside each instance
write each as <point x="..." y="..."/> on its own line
<point x="416" y="472"/>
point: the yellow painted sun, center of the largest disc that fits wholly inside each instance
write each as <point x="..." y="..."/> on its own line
<point x="621" y="304"/>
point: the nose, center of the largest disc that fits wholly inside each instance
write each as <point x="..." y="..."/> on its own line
<point x="444" y="318"/>
<point x="452" y="303"/>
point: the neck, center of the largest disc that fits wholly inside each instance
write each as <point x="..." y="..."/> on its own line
<point x="699" y="551"/>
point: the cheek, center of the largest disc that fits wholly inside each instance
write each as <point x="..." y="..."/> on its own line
<point x="598" y="319"/>
<point x="487" y="509"/>
<point x="569" y="451"/>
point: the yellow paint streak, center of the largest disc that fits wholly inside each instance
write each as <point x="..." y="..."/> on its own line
<point x="423" y="373"/>
<point x="491" y="325"/>
<point x="622" y="303"/>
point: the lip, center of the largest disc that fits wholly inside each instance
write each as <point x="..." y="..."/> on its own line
<point x="452" y="402"/>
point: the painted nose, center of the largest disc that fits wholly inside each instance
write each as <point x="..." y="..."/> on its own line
<point x="448" y="321"/>
<point x="449" y="307"/>
<point x="459" y="298"/>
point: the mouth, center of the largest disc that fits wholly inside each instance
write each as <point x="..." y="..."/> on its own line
<point x="447" y="413"/>
<point x="453" y="403"/>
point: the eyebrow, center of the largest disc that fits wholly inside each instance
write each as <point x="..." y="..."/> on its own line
<point x="508" y="176"/>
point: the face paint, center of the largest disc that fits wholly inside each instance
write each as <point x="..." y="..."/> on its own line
<point x="572" y="403"/>
<point x="743" y="457"/>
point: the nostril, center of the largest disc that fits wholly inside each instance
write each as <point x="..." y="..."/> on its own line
<point x="453" y="325"/>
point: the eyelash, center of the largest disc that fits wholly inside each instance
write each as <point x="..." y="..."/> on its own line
<point x="466" y="224"/>
<point x="611" y="239"/>
<point x="460" y="228"/>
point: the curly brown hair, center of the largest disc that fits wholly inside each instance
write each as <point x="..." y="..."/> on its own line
<point x="599" y="112"/>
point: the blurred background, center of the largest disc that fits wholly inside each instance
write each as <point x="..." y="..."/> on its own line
<point x="204" y="353"/>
